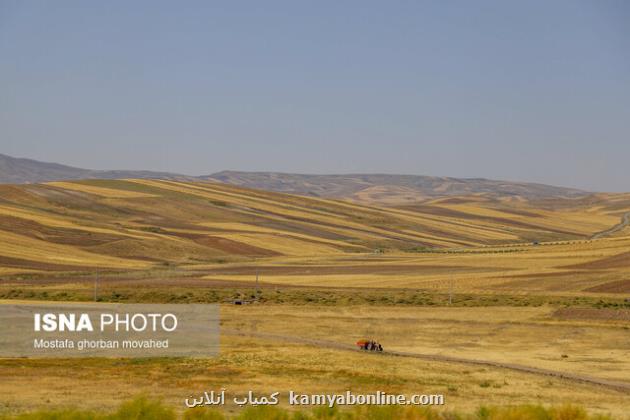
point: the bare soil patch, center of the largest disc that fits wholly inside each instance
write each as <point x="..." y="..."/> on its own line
<point x="616" y="261"/>
<point x="36" y="265"/>
<point x="618" y="286"/>
<point x="602" y="314"/>
<point x="58" y="235"/>
<point x="228" y="246"/>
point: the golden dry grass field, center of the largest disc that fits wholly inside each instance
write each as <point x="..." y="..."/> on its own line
<point x="263" y="364"/>
<point x="131" y="224"/>
<point x="511" y="281"/>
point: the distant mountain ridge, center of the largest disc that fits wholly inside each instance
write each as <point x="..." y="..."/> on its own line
<point x="385" y="188"/>
<point x="366" y="188"/>
<point x="26" y="171"/>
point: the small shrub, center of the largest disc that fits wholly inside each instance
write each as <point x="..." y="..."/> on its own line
<point x="534" y="412"/>
<point x="203" y="413"/>
<point x="143" y="409"/>
<point x="58" y="415"/>
<point x="568" y="412"/>
<point x="319" y="413"/>
<point x="263" y="413"/>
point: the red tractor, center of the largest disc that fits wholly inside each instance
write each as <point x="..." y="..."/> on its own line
<point x="369" y="345"/>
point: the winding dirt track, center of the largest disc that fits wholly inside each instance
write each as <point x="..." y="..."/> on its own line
<point x="589" y="380"/>
<point x="625" y="221"/>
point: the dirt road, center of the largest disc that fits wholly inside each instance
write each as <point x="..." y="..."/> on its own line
<point x="589" y="380"/>
<point x="625" y="221"/>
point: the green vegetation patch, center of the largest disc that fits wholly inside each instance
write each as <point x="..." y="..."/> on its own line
<point x="142" y="408"/>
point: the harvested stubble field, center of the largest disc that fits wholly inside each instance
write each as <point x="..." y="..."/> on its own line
<point x="248" y="360"/>
<point x="134" y="224"/>
<point x="479" y="278"/>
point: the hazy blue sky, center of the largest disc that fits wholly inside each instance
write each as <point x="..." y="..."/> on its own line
<point x="518" y="90"/>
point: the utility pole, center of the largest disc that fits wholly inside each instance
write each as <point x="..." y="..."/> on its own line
<point x="257" y="285"/>
<point x="96" y="285"/>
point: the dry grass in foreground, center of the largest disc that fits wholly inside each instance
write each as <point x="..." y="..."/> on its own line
<point x="144" y="409"/>
<point x="265" y="366"/>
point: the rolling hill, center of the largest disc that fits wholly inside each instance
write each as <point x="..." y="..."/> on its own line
<point x="141" y="223"/>
<point x="361" y="188"/>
